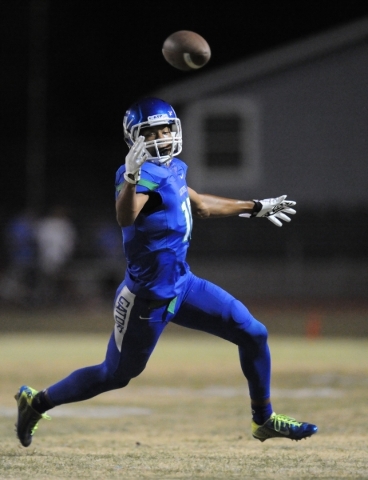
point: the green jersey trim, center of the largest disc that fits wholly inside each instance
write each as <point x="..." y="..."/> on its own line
<point x="171" y="307"/>
<point x="143" y="183"/>
<point x="148" y="184"/>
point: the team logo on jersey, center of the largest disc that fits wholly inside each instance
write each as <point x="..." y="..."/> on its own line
<point x="121" y="309"/>
<point x="123" y="306"/>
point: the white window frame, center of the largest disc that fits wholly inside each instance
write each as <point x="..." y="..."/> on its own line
<point x="201" y="175"/>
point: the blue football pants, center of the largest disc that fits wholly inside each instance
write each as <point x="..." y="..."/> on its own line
<point x="139" y="324"/>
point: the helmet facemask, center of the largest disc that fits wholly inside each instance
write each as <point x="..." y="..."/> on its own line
<point x="153" y="148"/>
<point x="154" y="112"/>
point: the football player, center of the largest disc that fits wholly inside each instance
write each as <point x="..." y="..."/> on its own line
<point x="154" y="208"/>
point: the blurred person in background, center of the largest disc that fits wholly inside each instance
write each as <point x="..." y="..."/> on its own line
<point x="154" y="208"/>
<point x="17" y="283"/>
<point x="56" y="239"/>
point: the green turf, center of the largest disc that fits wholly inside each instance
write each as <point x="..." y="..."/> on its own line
<point x="193" y="417"/>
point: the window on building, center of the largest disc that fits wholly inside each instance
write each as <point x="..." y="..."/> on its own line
<point x="221" y="144"/>
<point x="222" y="147"/>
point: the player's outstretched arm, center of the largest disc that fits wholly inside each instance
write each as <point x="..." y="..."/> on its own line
<point x="274" y="209"/>
<point x="205" y="205"/>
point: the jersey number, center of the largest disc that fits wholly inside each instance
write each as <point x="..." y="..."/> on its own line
<point x="185" y="206"/>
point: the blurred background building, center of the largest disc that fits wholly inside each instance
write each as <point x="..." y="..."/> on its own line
<point x="291" y="121"/>
<point x="281" y="108"/>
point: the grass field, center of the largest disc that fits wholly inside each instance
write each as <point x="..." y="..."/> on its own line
<point x="187" y="416"/>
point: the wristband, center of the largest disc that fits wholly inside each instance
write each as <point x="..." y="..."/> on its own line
<point x="257" y="208"/>
<point x="130" y="178"/>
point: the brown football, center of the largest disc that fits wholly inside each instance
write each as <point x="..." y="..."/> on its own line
<point x="186" y="50"/>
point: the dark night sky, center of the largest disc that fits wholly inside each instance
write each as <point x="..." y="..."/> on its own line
<point x="102" y="55"/>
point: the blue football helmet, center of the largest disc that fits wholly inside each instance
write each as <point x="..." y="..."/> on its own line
<point x="149" y="112"/>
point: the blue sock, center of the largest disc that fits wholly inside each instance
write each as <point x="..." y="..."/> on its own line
<point x="261" y="413"/>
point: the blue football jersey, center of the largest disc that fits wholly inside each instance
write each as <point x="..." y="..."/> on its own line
<point x="156" y="244"/>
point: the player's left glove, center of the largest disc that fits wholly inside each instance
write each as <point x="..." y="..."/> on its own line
<point x="134" y="160"/>
<point x="274" y="209"/>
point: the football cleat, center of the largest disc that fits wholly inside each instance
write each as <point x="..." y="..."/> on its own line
<point x="28" y="418"/>
<point x="283" y="426"/>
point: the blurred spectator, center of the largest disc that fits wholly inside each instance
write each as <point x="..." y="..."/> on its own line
<point x="56" y="242"/>
<point x="18" y="280"/>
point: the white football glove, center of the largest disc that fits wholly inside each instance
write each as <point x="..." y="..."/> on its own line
<point x="134" y="160"/>
<point x="273" y="209"/>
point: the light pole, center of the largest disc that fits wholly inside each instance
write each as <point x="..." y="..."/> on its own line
<point x="37" y="105"/>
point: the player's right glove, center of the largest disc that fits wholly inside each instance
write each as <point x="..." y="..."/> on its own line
<point x="273" y="209"/>
<point x="134" y="160"/>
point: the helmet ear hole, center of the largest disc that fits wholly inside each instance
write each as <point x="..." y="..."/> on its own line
<point x="174" y="128"/>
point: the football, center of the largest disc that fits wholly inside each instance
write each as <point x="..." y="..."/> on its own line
<point x="186" y="50"/>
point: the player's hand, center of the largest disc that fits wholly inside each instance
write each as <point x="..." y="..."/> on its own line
<point x="134" y="160"/>
<point x="274" y="209"/>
